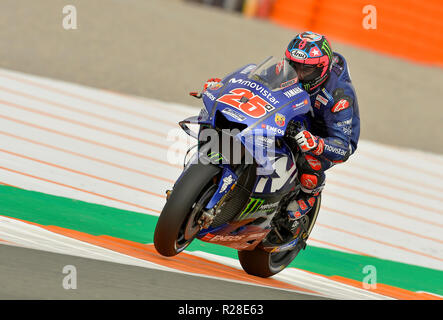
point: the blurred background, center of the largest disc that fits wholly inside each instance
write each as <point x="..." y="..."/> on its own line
<point x="163" y="49"/>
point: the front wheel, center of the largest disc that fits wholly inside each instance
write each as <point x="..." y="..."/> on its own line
<point x="262" y="263"/>
<point x="177" y="225"/>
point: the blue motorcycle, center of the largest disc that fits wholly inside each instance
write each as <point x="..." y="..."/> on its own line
<point x="235" y="188"/>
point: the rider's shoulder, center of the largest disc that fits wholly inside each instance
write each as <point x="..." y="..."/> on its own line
<point x="339" y="78"/>
<point x="336" y="88"/>
<point x="339" y="68"/>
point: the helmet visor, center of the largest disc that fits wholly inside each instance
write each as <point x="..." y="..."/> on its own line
<point x="306" y="72"/>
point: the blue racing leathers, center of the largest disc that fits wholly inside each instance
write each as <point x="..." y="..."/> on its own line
<point x="335" y="120"/>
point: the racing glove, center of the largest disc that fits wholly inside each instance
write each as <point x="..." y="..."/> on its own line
<point x="210" y="83"/>
<point x="308" y="142"/>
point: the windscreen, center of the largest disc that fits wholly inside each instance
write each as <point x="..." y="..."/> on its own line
<point x="275" y="74"/>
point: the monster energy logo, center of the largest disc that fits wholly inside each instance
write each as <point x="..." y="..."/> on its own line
<point x="252" y="207"/>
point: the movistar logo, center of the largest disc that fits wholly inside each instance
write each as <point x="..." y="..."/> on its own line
<point x="256" y="86"/>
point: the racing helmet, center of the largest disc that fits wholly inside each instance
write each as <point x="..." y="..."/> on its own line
<point x="310" y="54"/>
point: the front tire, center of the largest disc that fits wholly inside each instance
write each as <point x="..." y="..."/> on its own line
<point x="176" y="226"/>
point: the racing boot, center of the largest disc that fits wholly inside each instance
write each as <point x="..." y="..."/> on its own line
<point x="298" y="208"/>
<point x="311" y="184"/>
<point x="301" y="205"/>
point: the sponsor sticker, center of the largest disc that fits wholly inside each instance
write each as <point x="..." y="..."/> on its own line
<point x="264" y="141"/>
<point x="298" y="54"/>
<point x="256" y="86"/>
<point x="269" y="207"/>
<point x="227" y="181"/>
<point x="321" y="99"/>
<point x="288" y="83"/>
<point x="209" y="95"/>
<point x="335" y="150"/>
<point x="327" y="94"/>
<point x="286" y="246"/>
<point x="292" y="92"/>
<point x="227" y="238"/>
<point x="347" y="130"/>
<point x="340" y="105"/>
<point x="344" y="123"/>
<point x="280" y="119"/>
<point x="275" y="129"/>
<point x="300" y="104"/>
<point x="253" y="205"/>
<point x="237" y="116"/>
<point x="208" y="237"/>
<point x="233" y="238"/>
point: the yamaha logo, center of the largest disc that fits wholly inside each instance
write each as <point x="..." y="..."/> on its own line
<point x="299" y="54"/>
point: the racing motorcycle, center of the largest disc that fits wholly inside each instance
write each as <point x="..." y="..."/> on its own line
<point x="235" y="193"/>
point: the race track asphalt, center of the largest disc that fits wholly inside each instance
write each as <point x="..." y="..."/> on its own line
<point x="34" y="274"/>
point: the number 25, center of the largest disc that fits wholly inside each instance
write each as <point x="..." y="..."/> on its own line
<point x="254" y="107"/>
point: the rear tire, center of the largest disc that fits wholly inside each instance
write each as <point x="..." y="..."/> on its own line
<point x="175" y="230"/>
<point x="261" y="263"/>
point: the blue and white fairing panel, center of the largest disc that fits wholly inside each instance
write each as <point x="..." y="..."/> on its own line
<point x="266" y="113"/>
<point x="288" y="102"/>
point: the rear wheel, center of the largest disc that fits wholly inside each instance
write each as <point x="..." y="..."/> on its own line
<point x="177" y="225"/>
<point x="262" y="263"/>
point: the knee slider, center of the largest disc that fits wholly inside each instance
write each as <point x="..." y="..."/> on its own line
<point x="309" y="181"/>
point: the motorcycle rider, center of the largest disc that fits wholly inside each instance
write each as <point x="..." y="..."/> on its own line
<point x="335" y="119"/>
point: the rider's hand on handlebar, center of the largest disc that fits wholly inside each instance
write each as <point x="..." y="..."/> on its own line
<point x="308" y="142"/>
<point x="210" y="83"/>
